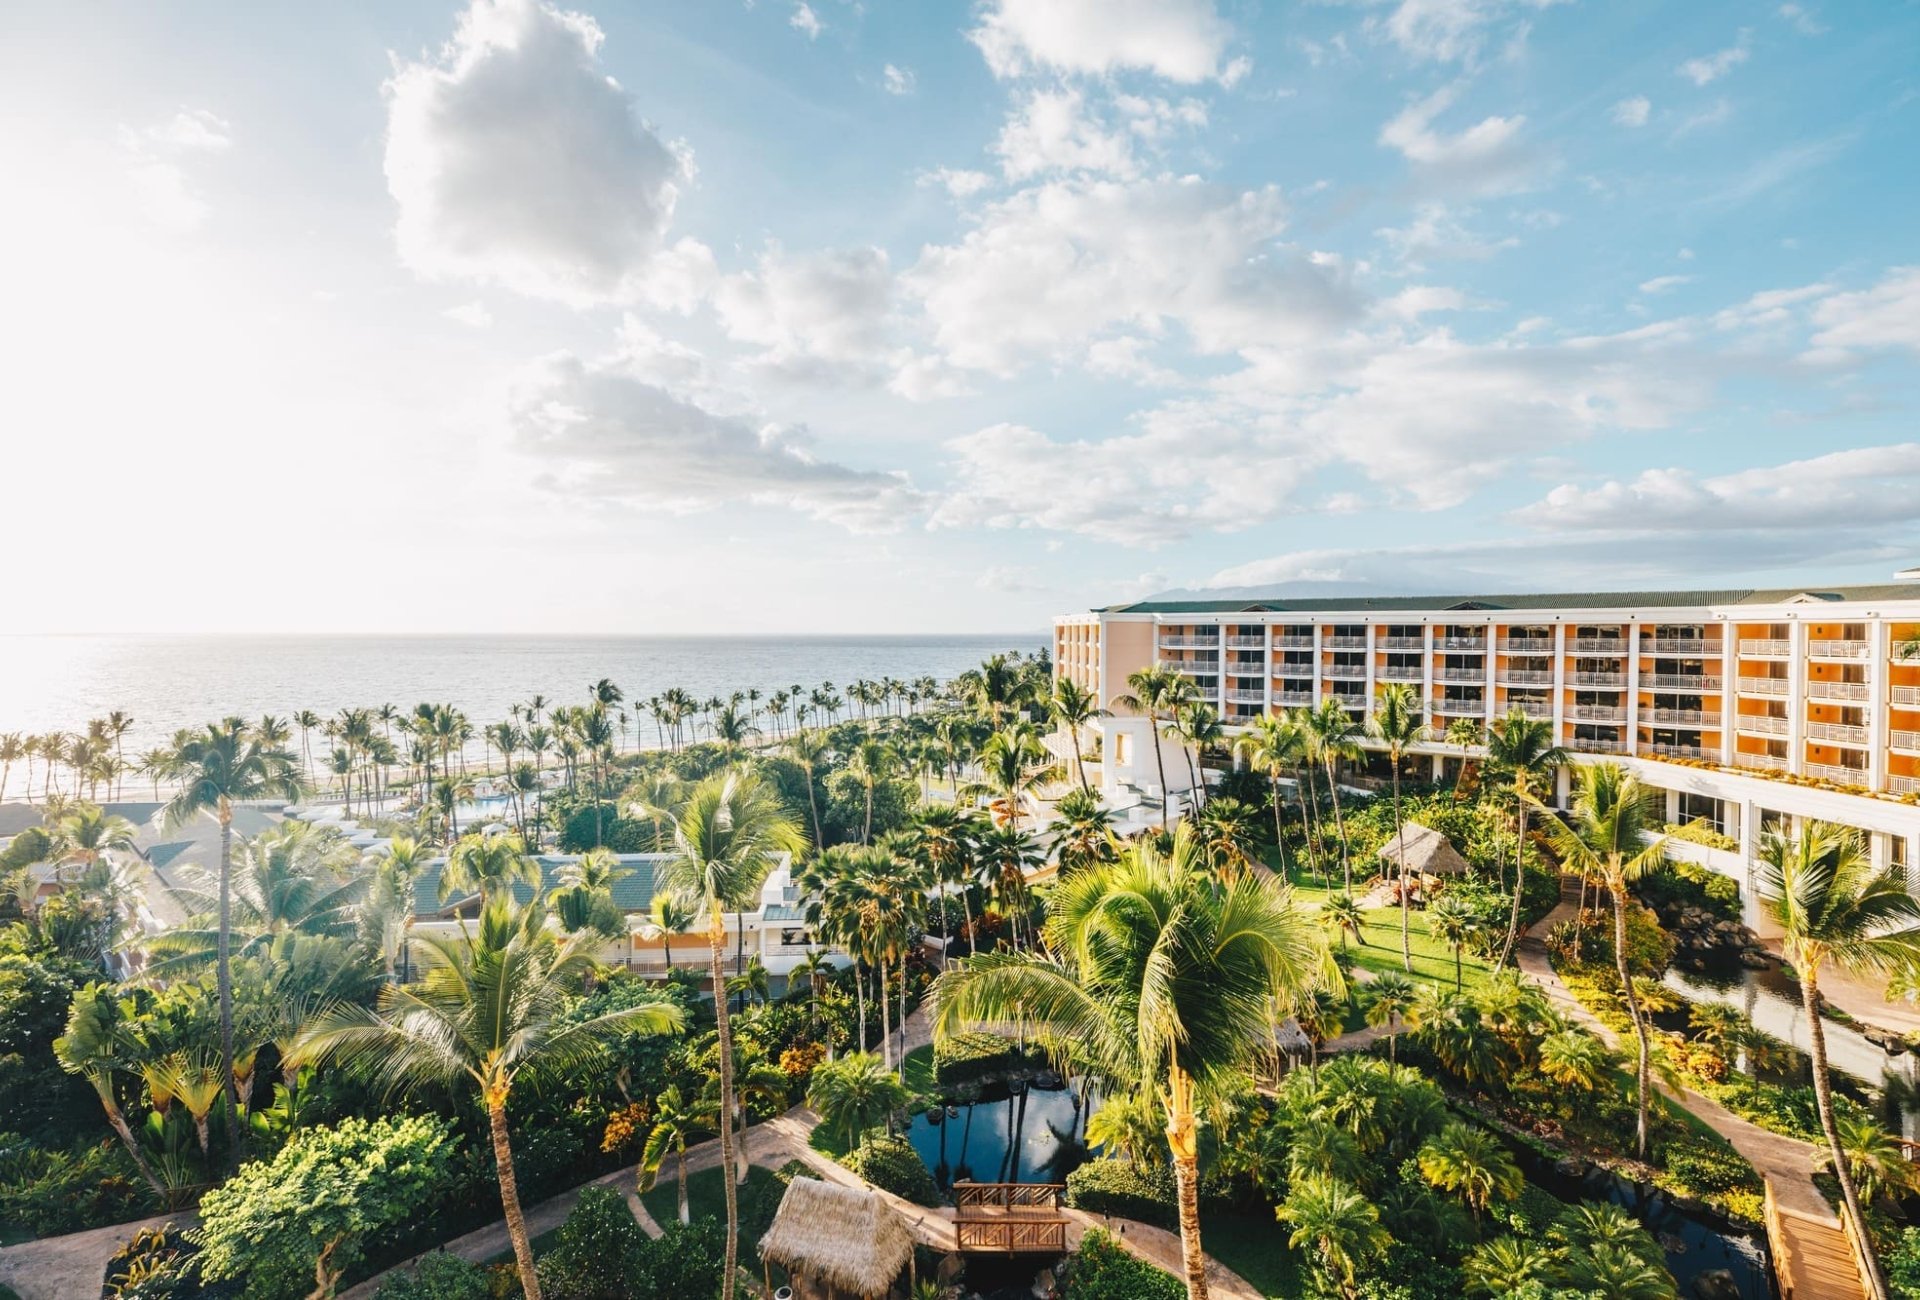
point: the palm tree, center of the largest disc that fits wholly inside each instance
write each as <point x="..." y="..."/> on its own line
<point x="1388" y="998"/>
<point x="1336" y="1224"/>
<point x="13" y="748"/>
<point x="1609" y="840"/>
<point x="1330" y="732"/>
<point x="676" y="1118"/>
<point x="1013" y="764"/>
<point x="1470" y="1162"/>
<point x="729" y="834"/>
<point x="85" y="834"/>
<point x="1342" y="914"/>
<point x="1072" y="706"/>
<point x="493" y="1009"/>
<point x="1875" y="1158"/>
<point x="809" y="749"/>
<point x="813" y="967"/>
<point x="96" y="1046"/>
<point x="945" y="839"/>
<point x="1494" y="1268"/>
<point x="1833" y="907"/>
<point x="1158" y="975"/>
<point x="487" y="865"/>
<point x="1522" y="751"/>
<point x="1454" y="924"/>
<point x="1396" y="727"/>
<point x="217" y="768"/>
<point x="1196" y="725"/>
<point x="1152" y="691"/>
<point x="1271" y="745"/>
<point x="1574" y="1058"/>
<point x="671" y="916"/>
<point x="870" y="763"/>
<point x="856" y="1094"/>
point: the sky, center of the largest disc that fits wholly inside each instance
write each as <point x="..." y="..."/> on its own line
<point x="897" y="315"/>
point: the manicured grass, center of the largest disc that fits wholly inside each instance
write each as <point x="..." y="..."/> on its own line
<point x="1255" y="1246"/>
<point x="707" y="1199"/>
<point x="829" y="1142"/>
<point x="541" y="1244"/>
<point x="1432" y="960"/>
<point x="920" y="1071"/>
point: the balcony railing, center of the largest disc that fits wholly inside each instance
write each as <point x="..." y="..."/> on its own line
<point x="1765" y="686"/>
<point x="1764" y="762"/>
<point x="1836" y="774"/>
<point x="1907" y="696"/>
<point x="1533" y="709"/>
<point x="1525" y="677"/>
<point x="1468" y="676"/>
<point x="1841" y="732"/>
<point x="1761" y="648"/>
<point x="1343" y="643"/>
<point x="1477" y="644"/>
<point x="1247" y="697"/>
<point x="1527" y="645"/>
<point x="1678" y="751"/>
<point x="1837" y="690"/>
<point x="1596" y="713"/>
<point x="1345" y="672"/>
<point x="1587" y="745"/>
<point x="1697" y="717"/>
<point x="1598" y="645"/>
<point x="1904" y="784"/>
<point x="1246" y="643"/>
<point x="1290" y="699"/>
<point x="1679" y="645"/>
<point x="1760" y="724"/>
<point x="1401" y="643"/>
<point x="1189" y="643"/>
<point x="1681" y="681"/>
<point x="1292" y="641"/>
<point x="1401" y="673"/>
<point x="1839" y="649"/>
<point x="1597" y="679"/>
<point x="1461" y="708"/>
<point x="1907" y="742"/>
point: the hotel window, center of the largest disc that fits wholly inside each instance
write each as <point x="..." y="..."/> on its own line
<point x="1123" y="749"/>
<point x="795" y="938"/>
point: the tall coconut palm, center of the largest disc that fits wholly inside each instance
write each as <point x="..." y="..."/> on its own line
<point x="809" y="749"/>
<point x="1155" y="691"/>
<point x="944" y="839"/>
<point x="1158" y="975"/>
<point x="215" y="768"/>
<point x="13" y="748"/>
<point x="1608" y="839"/>
<point x="1013" y="764"/>
<point x="493" y="1010"/>
<point x="83" y="835"/>
<point x="1272" y="744"/>
<point x="1330" y="735"/>
<point x="671" y="916"/>
<point x="1834" y="908"/>
<point x="1396" y="727"/>
<point x="487" y="865"/>
<point x="1072" y="706"/>
<point x="871" y="763"/>
<point x="1521" y="751"/>
<point x="729" y="835"/>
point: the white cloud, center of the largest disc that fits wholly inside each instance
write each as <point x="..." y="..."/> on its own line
<point x="1052" y="132"/>
<point x="1452" y="31"/>
<point x="1013" y="579"/>
<point x="1632" y="111"/>
<point x="960" y="183"/>
<point x="157" y="159"/>
<point x="1181" y="40"/>
<point x="1432" y="233"/>
<point x="897" y="81"/>
<point x="516" y="160"/>
<point x="474" y="315"/>
<point x="1662" y="283"/>
<point x="1804" y="20"/>
<point x="1885" y="316"/>
<point x="600" y="434"/>
<point x="1709" y="68"/>
<point x="805" y="21"/>
<point x="828" y="309"/>
<point x="1487" y="156"/>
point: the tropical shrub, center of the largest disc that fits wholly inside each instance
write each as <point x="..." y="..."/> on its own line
<point x="311" y="1210"/>
<point x="685" y="1260"/>
<point x="438" y="1276"/>
<point x="1103" y="1270"/>
<point x="598" y="1250"/>
<point x="891" y="1164"/>
<point x="1116" y="1188"/>
<point x="161" y="1264"/>
<point x="1903" y="1265"/>
<point x="54" y="1192"/>
<point x="960" y="1059"/>
<point x="1688" y="884"/>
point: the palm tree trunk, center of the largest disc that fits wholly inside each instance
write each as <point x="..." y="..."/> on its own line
<point x="717" y="939"/>
<point x="1159" y="763"/>
<point x="813" y="804"/>
<point x="686" y="1213"/>
<point x="866" y="829"/>
<point x="1406" y="900"/>
<point x="1823" y="1099"/>
<point x="1079" y="764"/>
<point x="886" y="1032"/>
<point x="1310" y="822"/>
<point x="1519" y="882"/>
<point x="510" y="1198"/>
<point x="1340" y="828"/>
<point x="119" y="1122"/>
<point x="224" y="980"/>
<point x="903" y="1015"/>
<point x="1279" y="830"/>
<point x="1619" y="890"/>
<point x="860" y="1000"/>
<point x="1183" y="1141"/>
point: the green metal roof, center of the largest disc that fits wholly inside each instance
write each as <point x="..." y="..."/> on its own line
<point x="1533" y="601"/>
<point x="632" y="894"/>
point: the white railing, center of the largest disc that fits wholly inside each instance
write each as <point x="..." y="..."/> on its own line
<point x="1589" y="746"/>
<point x="1596" y="713"/>
<point x="1247" y="697"/>
<point x="1839" y="649"/>
<point x="1533" y="709"/>
<point x="1189" y="643"/>
<point x="1764" y="685"/>
<point x="1358" y="703"/>
<point x="1762" y="648"/>
<point x="1904" y="784"/>
<point x="1402" y="643"/>
<point x="1525" y="677"/>
<point x="1679" y="645"/>
<point x="1477" y="644"/>
<point x="1765" y="762"/>
<point x="1836" y="774"/>
<point x="1681" y="681"/>
<point x="1598" y="645"/>
<point x="1906" y="741"/>
<point x="1674" y="751"/>
<point x="1460" y="708"/>
<point x="1837" y="690"/>
<point x="1345" y="672"/>
<point x="1845" y="733"/>
<point x="1246" y="643"/>
<point x="1528" y="645"/>
<point x="1401" y="673"/>
<point x="1759" y="724"/>
<point x="1596" y="679"/>
<point x="1343" y="643"/>
<point x="1696" y="716"/>
<point x="1292" y="698"/>
<point x="1907" y="695"/>
<point x="1293" y="643"/>
<point x="1467" y="676"/>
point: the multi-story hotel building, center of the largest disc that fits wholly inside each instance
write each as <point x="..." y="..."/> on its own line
<point x="1748" y="708"/>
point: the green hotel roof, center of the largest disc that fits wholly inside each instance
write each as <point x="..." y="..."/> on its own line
<point x="633" y="893"/>
<point x="1547" y="600"/>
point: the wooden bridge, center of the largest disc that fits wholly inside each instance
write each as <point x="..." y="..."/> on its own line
<point x="1010" y="1218"/>
<point x="1814" y="1257"/>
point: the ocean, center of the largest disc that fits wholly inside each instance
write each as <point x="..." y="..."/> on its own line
<point x="52" y="683"/>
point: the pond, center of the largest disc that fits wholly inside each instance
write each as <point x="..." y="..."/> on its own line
<point x="1031" y="1137"/>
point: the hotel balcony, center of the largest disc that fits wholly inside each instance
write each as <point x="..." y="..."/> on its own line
<point x="1693" y="717"/>
<point x="1189" y="643"/>
<point x="1247" y="697"/>
<point x="1345" y="672"/>
<point x="1904" y="784"/>
<point x="1354" y="703"/>
<point x="1343" y="643"/>
<point x="1586" y="745"/>
<point x="1837" y="690"/>
<point x="1679" y="751"/>
<point x="1524" y="677"/>
<point x="1838" y="732"/>
<point x="1533" y="709"/>
<point x="1760" y="724"/>
<point x="1401" y="643"/>
<point x="1907" y="742"/>
<point x="1596" y="713"/>
<point x="1763" y="762"/>
<point x="1476" y="644"/>
<point x="1598" y="645"/>
<point x="1614" y="680"/>
<point x="1292" y="642"/>
<point x="1680" y="645"/>
<point x="1465" y="676"/>
<point x="1765" y="686"/>
<point x="1527" y="645"/>
<point x="1246" y="643"/>
<point x="1836" y="774"/>
<point x="1401" y="673"/>
<point x="1681" y="682"/>
<point x="1906" y="696"/>
<point x="1292" y="699"/>
<point x="1457" y="708"/>
<point x="1839" y="649"/>
<point x="1764" y="649"/>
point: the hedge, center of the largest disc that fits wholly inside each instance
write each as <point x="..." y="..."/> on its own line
<point x="973" y="1058"/>
<point x="891" y="1164"/>
<point x="1117" y="1188"/>
<point x="1103" y="1270"/>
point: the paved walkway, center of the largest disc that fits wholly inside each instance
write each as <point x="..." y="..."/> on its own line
<point x="59" y="1268"/>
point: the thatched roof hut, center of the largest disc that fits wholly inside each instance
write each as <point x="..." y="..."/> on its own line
<point x="1429" y="853"/>
<point x="837" y="1241"/>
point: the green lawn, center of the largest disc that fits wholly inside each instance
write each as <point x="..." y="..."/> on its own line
<point x="1432" y="960"/>
<point x="707" y="1199"/>
<point x="920" y="1071"/>
<point x="541" y="1244"/>
<point x="1255" y="1246"/>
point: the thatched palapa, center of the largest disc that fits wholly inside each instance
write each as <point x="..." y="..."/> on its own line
<point x="1429" y="853"/>
<point x="838" y="1241"/>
